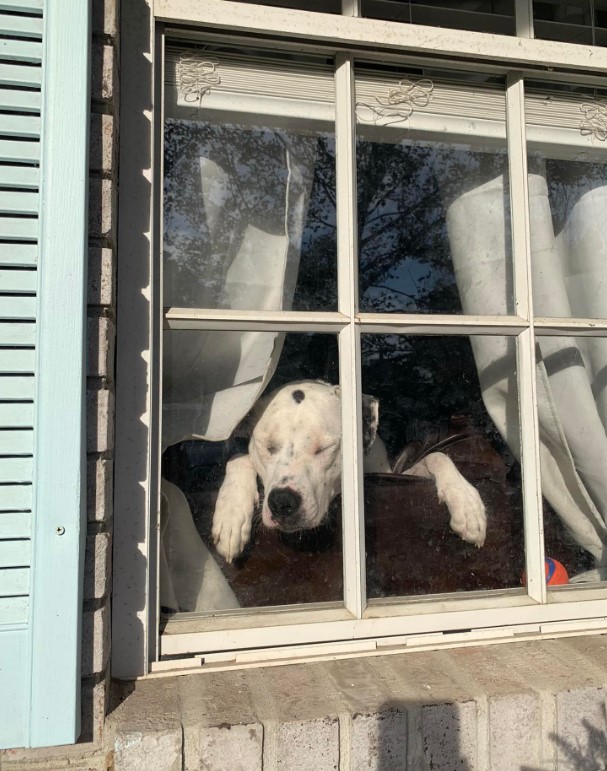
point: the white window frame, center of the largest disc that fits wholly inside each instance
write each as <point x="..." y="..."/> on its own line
<point x="356" y="628"/>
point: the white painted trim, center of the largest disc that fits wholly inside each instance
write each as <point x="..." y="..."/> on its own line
<point x="346" y="32"/>
<point x="349" y="347"/>
<point x="360" y="629"/>
<point x="521" y="250"/>
<point x="131" y="601"/>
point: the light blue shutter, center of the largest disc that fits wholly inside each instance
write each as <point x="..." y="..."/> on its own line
<point x="44" y="82"/>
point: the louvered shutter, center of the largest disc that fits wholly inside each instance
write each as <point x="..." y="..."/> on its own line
<point x="44" y="55"/>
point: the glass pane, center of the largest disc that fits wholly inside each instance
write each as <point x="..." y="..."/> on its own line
<point x="433" y="197"/>
<point x="479" y="15"/>
<point x="249" y="190"/>
<point x="571" y="21"/>
<point x="572" y="412"/>
<point x="448" y="418"/>
<point x="318" y="6"/>
<point x="566" y="135"/>
<point x="251" y="488"/>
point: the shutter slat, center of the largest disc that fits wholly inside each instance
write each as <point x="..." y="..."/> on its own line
<point x="18" y="255"/>
<point x="20" y="75"/>
<point x="15" y="470"/>
<point x="16" y="415"/>
<point x="17" y="361"/>
<point x="17" y="280"/>
<point x="20" y="26"/>
<point x="16" y="151"/>
<point x="19" y="228"/>
<point x="20" y="126"/>
<point x="14" y="582"/>
<point x="22" y="6"/>
<point x="16" y="387"/>
<point x="18" y="201"/>
<point x="15" y="554"/>
<point x="12" y="100"/>
<point x="15" y="497"/>
<point x="16" y="442"/>
<point x="18" y="307"/>
<point x="14" y="610"/>
<point x="17" y="333"/>
<point x="27" y="177"/>
<point x="21" y="50"/>
<point x="15" y="524"/>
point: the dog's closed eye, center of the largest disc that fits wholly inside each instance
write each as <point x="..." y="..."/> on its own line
<point x="324" y="448"/>
<point x="272" y="449"/>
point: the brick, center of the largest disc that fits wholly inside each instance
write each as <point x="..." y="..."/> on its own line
<point x="449" y="736"/>
<point x="95" y="640"/>
<point x="146" y="726"/>
<point x="97" y="566"/>
<point x="99" y="484"/>
<point x="102" y="209"/>
<point x="101" y="347"/>
<point x="581" y="728"/>
<point x="158" y="750"/>
<point x="103" y="145"/>
<point x="228" y="748"/>
<point x="104" y="74"/>
<point x="102" y="277"/>
<point x="99" y="420"/>
<point x="514" y="731"/>
<point x="306" y="744"/>
<point x="95" y="695"/>
<point x="105" y="15"/>
<point x="379" y="741"/>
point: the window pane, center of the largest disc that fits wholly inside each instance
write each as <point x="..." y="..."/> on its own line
<point x="572" y="412"/>
<point x="480" y="15"/>
<point x="226" y="540"/>
<point x="433" y="195"/>
<point x="566" y="135"/>
<point x="448" y="408"/>
<point x="249" y="192"/>
<point x="571" y="21"/>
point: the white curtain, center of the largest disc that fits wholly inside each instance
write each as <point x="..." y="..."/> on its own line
<point x="229" y="246"/>
<point x="568" y="209"/>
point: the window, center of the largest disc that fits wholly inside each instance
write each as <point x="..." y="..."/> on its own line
<point x="416" y="228"/>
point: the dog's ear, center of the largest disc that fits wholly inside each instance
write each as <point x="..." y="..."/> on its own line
<point x="370" y="421"/>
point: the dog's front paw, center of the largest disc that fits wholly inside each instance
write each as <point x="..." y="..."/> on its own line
<point x="231" y="531"/>
<point x="468" y="517"/>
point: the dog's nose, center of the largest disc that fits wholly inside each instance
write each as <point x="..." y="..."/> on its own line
<point x="283" y="503"/>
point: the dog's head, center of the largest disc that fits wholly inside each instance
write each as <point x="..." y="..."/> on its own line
<point x="296" y="450"/>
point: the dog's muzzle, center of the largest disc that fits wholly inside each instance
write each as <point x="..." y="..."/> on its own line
<point x="284" y="504"/>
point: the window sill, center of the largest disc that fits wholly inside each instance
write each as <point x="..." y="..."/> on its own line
<point x="487" y="706"/>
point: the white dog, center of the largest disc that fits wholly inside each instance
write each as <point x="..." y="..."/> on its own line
<point x="295" y="449"/>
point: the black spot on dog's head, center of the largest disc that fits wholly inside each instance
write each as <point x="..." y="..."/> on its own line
<point x="298" y="395"/>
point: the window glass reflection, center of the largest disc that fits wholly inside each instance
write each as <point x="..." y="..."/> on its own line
<point x="572" y="415"/>
<point x="250" y="498"/>
<point x="495" y="16"/>
<point x="450" y="519"/>
<point x="571" y="21"/>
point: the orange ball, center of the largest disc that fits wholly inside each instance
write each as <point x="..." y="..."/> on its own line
<point x="555" y="573"/>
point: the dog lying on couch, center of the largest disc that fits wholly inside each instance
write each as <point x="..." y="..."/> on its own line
<point x="295" y="450"/>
